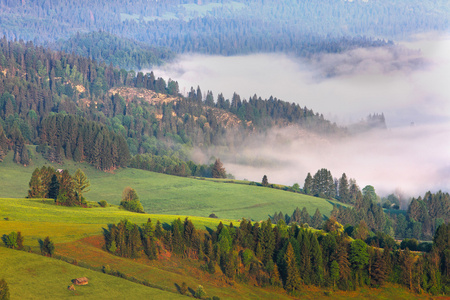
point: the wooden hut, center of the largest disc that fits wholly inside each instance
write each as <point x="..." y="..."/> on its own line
<point x="81" y="281"/>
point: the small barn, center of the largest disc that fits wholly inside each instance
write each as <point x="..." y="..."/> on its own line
<point x="81" y="281"/>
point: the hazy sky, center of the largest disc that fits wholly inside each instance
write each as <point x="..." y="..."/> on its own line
<point x="409" y="83"/>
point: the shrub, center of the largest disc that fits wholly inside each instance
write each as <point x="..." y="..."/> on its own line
<point x="103" y="203"/>
<point x="10" y="240"/>
<point x="213" y="216"/>
<point x="132" y="205"/>
<point x="106" y="269"/>
<point x="130" y="200"/>
<point x="47" y="246"/>
<point x="200" y="292"/>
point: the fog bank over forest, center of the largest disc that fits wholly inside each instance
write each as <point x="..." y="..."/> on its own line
<point x="407" y="82"/>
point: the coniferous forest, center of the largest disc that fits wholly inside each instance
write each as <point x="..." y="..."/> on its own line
<point x="289" y="256"/>
<point x="63" y="103"/>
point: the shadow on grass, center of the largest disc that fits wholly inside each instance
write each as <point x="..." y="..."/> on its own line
<point x="192" y="292"/>
<point x="178" y="287"/>
<point x="166" y="226"/>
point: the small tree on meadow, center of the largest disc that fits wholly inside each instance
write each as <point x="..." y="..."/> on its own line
<point x="81" y="183"/>
<point x="218" y="171"/>
<point x="19" y="241"/>
<point x="200" y="292"/>
<point x="10" y="240"/>
<point x="129" y="194"/>
<point x="47" y="247"/>
<point x="183" y="288"/>
<point x="265" y="181"/>
<point x="130" y="200"/>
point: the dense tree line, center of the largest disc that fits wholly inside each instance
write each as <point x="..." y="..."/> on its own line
<point x="173" y="165"/>
<point x="59" y="185"/>
<point x="324" y="185"/>
<point x="423" y="217"/>
<point x="250" y="26"/>
<point x="120" y="52"/>
<point x="288" y="256"/>
<point x="300" y="217"/>
<point x="67" y="136"/>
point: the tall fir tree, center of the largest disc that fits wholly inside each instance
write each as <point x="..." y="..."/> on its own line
<point x="293" y="279"/>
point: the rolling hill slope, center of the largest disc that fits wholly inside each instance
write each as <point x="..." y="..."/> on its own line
<point x="165" y="194"/>
<point x="31" y="276"/>
<point x="77" y="235"/>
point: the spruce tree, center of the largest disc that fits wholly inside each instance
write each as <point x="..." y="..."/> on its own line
<point x="177" y="239"/>
<point x="296" y="217"/>
<point x="334" y="272"/>
<point x="293" y="280"/>
<point x="275" y="276"/>
<point x="378" y="274"/>
<point x="317" y="220"/>
<point x="316" y="261"/>
<point x="66" y="193"/>
<point x="36" y="186"/>
<point x="53" y="189"/>
<point x="342" y="258"/>
<point x="81" y="184"/>
<point x="218" y="171"/>
<point x="47" y="247"/>
<point x="308" y="186"/>
<point x="344" y="191"/>
<point x="305" y="217"/>
<point x="159" y="231"/>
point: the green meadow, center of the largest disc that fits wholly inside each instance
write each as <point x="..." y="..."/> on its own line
<point x="77" y="234"/>
<point x="165" y="194"/>
<point x="31" y="276"/>
<point x="37" y="218"/>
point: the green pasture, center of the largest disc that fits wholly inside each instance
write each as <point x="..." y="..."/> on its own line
<point x="165" y="194"/>
<point x="37" y="218"/>
<point x="31" y="276"/>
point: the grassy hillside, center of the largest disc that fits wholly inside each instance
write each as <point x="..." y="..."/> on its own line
<point x="37" y="218"/>
<point x="165" y="194"/>
<point x="31" y="276"/>
<point x="77" y="236"/>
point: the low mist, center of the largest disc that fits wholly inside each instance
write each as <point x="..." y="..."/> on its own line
<point x="411" y="159"/>
<point x="408" y="82"/>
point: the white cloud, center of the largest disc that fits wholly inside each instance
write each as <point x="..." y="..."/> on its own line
<point x="409" y="83"/>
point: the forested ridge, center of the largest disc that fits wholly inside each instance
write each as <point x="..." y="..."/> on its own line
<point x="228" y="27"/>
<point x="42" y="91"/>
<point x="120" y="52"/>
